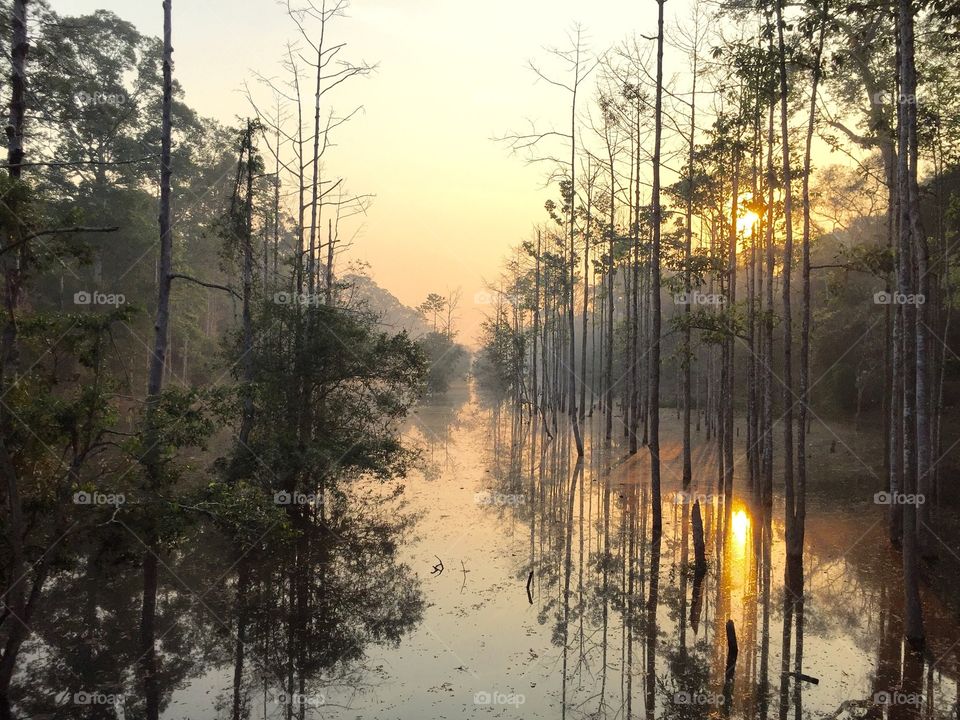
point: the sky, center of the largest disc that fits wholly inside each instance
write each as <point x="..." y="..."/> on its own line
<point x="451" y="76"/>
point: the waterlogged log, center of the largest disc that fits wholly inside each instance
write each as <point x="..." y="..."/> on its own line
<point x="699" y="549"/>
<point x="696" y="601"/>
<point x="801" y="676"/>
<point x="733" y="649"/>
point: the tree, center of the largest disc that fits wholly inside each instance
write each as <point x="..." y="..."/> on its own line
<point x="152" y="458"/>
<point x="432" y="308"/>
<point x="654" y="437"/>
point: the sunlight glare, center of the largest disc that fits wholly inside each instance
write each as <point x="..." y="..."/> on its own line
<point x="739" y="524"/>
<point x="746" y="221"/>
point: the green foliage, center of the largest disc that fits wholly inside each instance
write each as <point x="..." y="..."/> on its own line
<point x="444" y="360"/>
<point x="499" y="363"/>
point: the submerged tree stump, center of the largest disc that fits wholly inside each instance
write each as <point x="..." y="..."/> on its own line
<point x="699" y="549"/>
<point x="733" y="649"/>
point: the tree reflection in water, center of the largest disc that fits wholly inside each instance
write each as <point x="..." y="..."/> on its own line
<point x="620" y="626"/>
<point x="354" y="593"/>
<point x="640" y="630"/>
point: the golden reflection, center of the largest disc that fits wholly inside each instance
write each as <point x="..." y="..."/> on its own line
<point x="739" y="526"/>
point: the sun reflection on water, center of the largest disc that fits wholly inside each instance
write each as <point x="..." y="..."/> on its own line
<point x="739" y="527"/>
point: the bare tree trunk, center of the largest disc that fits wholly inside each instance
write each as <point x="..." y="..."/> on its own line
<point x="730" y="340"/>
<point x="572" y="401"/>
<point x="536" y="331"/>
<point x="654" y="409"/>
<point x="586" y="293"/>
<point x="687" y="358"/>
<point x="315" y="182"/>
<point x="767" y="480"/>
<point x="276" y="209"/>
<point x="328" y="286"/>
<point x="913" y="625"/>
<point x="246" y="424"/>
<point x="794" y="543"/>
<point x="611" y="280"/>
<point x="152" y="458"/>
<point x="801" y="498"/>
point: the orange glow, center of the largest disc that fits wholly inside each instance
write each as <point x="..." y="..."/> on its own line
<point x="739" y="526"/>
<point x="746" y="221"/>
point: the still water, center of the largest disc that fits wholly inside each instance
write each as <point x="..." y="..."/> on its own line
<point x="508" y="581"/>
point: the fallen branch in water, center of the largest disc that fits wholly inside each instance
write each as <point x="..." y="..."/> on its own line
<point x="805" y="678"/>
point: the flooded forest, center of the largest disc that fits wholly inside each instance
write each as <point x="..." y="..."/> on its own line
<point x="687" y="448"/>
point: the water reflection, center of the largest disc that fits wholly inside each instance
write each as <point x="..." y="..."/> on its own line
<point x="640" y="627"/>
<point x="554" y="601"/>
<point x="269" y="627"/>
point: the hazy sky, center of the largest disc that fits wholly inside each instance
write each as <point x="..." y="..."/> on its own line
<point x="451" y="75"/>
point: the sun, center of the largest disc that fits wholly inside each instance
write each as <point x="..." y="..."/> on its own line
<point x="746" y="221"/>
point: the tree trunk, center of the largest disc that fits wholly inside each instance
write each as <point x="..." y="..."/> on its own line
<point x="654" y="407"/>
<point x="794" y="543"/>
<point x="801" y="496"/>
<point x="687" y="358"/>
<point x="586" y="293"/>
<point x="906" y="161"/>
<point x="152" y="458"/>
